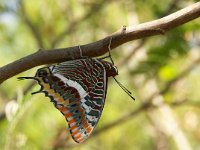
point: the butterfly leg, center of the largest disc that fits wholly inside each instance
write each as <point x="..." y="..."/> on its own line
<point x="81" y="53"/>
<point x="109" y="51"/>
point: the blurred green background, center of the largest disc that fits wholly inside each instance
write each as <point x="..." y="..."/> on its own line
<point x="162" y="72"/>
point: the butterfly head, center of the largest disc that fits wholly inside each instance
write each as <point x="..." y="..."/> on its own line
<point x="111" y="70"/>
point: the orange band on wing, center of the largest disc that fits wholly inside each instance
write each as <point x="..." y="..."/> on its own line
<point x="67" y="115"/>
<point x="71" y="121"/>
<point x="62" y="109"/>
<point x="75" y="132"/>
<point x="73" y="127"/>
<point x="88" y="129"/>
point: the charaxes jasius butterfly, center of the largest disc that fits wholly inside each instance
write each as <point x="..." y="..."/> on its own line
<point x="78" y="89"/>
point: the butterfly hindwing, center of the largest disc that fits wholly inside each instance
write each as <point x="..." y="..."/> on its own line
<point x="78" y="89"/>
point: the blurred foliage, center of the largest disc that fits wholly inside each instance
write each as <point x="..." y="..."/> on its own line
<point x="32" y="122"/>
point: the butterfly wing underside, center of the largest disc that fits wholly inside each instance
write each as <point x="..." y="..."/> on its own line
<point x="78" y="90"/>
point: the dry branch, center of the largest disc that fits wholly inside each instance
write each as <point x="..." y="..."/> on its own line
<point x="98" y="48"/>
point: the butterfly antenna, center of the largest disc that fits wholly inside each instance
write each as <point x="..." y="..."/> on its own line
<point x="124" y="88"/>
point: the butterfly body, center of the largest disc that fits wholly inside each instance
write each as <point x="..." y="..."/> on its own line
<point x="77" y="89"/>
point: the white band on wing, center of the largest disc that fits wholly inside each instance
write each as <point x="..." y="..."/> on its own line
<point x="73" y="84"/>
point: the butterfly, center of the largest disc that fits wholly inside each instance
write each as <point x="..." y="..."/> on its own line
<point x="77" y="88"/>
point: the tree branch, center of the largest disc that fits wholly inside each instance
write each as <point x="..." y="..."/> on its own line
<point x="100" y="47"/>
